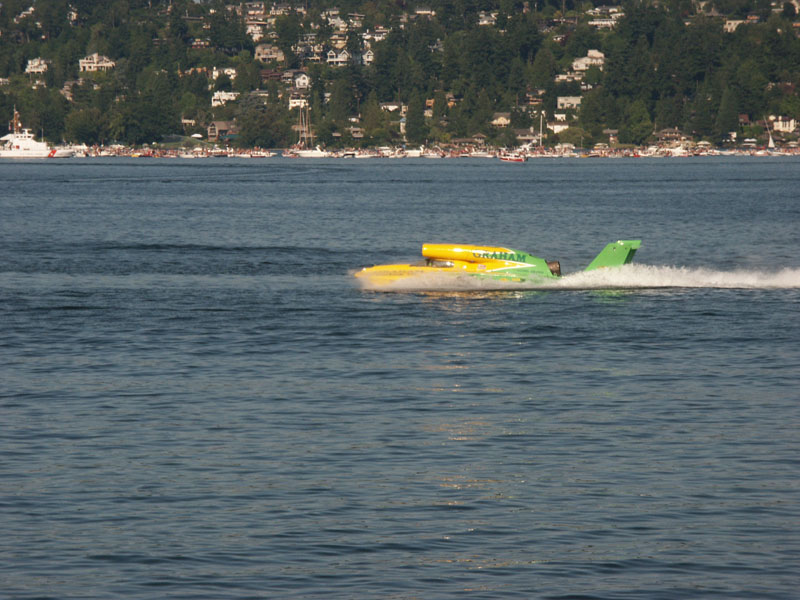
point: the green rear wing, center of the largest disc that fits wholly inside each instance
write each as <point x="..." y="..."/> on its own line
<point x="615" y="254"/>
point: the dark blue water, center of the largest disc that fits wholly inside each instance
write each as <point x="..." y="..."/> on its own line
<point x="196" y="401"/>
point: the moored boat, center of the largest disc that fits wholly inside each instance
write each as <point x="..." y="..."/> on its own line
<point x="21" y="143"/>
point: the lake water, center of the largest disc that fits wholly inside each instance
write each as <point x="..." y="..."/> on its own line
<point x="197" y="400"/>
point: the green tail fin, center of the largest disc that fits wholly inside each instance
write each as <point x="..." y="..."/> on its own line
<point x="615" y="254"/>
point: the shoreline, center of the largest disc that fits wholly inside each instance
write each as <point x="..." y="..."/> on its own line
<point x="513" y="156"/>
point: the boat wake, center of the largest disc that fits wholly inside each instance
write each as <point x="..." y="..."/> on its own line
<point x="632" y="277"/>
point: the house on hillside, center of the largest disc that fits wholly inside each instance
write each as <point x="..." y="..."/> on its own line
<point x="732" y="24"/>
<point x="391" y="107"/>
<point x="221" y="98"/>
<point x="668" y="135"/>
<point x="340" y="59"/>
<point x="355" y="20"/>
<point x="605" y="17"/>
<point x="268" y="53"/>
<point x="301" y="81"/>
<point x="783" y="124"/>
<point x="37" y="66"/>
<point x="487" y="18"/>
<point x="297" y="101"/>
<point x="297" y="78"/>
<point x="593" y="58"/>
<point x="424" y="12"/>
<point x="255" y="30"/>
<point x="221" y="130"/>
<point x="501" y="119"/>
<point x="568" y="102"/>
<point x="95" y="62"/>
<point x="229" y="71"/>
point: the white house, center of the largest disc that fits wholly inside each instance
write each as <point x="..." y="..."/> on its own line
<point x="37" y="66"/>
<point x="221" y="98"/>
<point x="229" y="71"/>
<point x="378" y="35"/>
<point x="593" y="58"/>
<point x="95" y="62"/>
<point x="355" y="20"/>
<point x="331" y="15"/>
<point x="502" y="119"/>
<point x="255" y="31"/>
<point x="557" y="126"/>
<point x="783" y="124"/>
<point x="302" y="81"/>
<point x="731" y="25"/>
<point x="269" y="52"/>
<point x="568" y="102"/>
<point x="487" y="18"/>
<point x="368" y="57"/>
<point x="297" y="101"/>
<point x="392" y="107"/>
<point x="425" y="12"/>
<point x="338" y="60"/>
<point x="605" y="17"/>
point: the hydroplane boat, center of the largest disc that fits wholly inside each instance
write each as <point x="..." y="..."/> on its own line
<point x="489" y="262"/>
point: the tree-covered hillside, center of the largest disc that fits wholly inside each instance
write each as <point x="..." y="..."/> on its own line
<point x="383" y="71"/>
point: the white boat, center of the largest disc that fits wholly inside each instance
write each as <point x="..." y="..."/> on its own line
<point x="303" y="147"/>
<point x="308" y="153"/>
<point x="20" y="143"/>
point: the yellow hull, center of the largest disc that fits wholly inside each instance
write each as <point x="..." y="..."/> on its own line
<point x="447" y="259"/>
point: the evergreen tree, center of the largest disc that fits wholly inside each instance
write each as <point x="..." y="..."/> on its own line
<point x="373" y="118"/>
<point x="638" y="126"/>
<point x="85" y="126"/>
<point x="727" y="115"/>
<point x="340" y="106"/>
<point x="416" y="129"/>
<point x="701" y="120"/>
<point x="544" y="68"/>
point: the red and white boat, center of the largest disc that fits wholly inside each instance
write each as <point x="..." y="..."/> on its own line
<point x="20" y="143"/>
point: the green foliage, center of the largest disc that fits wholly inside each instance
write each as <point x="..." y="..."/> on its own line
<point x="666" y="66"/>
<point x="85" y="126"/>
<point x="728" y="114"/>
<point x="637" y="125"/>
<point x="416" y="129"/>
<point x="262" y="125"/>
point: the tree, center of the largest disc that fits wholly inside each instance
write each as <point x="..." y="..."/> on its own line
<point x="701" y="118"/>
<point x="85" y="126"/>
<point x="248" y="77"/>
<point x="373" y="117"/>
<point x="592" y="116"/>
<point x="750" y="84"/>
<point x="669" y="111"/>
<point x="727" y="115"/>
<point x="544" y="68"/>
<point x="288" y="28"/>
<point x="265" y="126"/>
<point x="638" y="126"/>
<point x="341" y="104"/>
<point x="416" y="130"/>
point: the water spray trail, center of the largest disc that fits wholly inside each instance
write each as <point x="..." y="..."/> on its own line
<point x="632" y="277"/>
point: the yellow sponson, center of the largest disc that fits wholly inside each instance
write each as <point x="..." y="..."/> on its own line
<point x="386" y="274"/>
<point x="462" y="252"/>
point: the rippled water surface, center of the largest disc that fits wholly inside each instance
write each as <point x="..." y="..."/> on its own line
<point x="197" y="400"/>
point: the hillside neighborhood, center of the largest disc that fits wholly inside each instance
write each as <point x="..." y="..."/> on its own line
<point x="506" y="74"/>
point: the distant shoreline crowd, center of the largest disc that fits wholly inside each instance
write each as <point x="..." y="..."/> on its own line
<point x="432" y="152"/>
